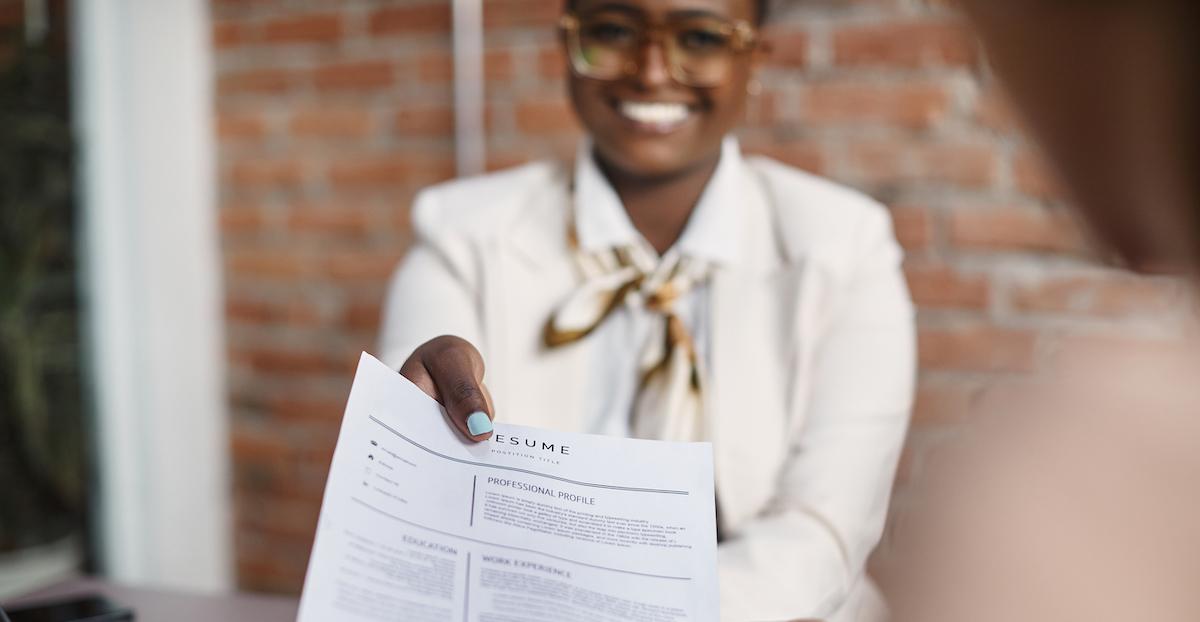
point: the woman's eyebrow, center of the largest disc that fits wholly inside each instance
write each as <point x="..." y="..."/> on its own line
<point x="694" y="13"/>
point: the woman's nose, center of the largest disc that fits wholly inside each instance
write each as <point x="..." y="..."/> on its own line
<point x="653" y="70"/>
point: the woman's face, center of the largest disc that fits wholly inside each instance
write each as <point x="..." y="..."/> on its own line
<point x="644" y="122"/>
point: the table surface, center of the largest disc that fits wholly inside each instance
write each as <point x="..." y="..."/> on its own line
<point x="153" y="605"/>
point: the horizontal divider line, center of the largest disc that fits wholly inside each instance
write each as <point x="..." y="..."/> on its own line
<point x="520" y="470"/>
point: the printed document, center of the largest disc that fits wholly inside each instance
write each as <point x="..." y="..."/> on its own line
<point x="421" y="525"/>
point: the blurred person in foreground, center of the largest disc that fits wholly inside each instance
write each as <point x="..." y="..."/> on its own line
<point x="1081" y="499"/>
<point x="663" y="286"/>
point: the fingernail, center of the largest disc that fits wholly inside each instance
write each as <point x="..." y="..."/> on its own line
<point x="478" y="423"/>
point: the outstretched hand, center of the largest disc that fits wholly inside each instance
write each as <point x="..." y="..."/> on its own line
<point x="450" y="370"/>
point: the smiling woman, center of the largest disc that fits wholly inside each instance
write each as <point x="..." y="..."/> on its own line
<point x="663" y="286"/>
<point x="663" y="109"/>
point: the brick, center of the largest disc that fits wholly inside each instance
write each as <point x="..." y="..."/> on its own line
<point x="390" y="170"/>
<point x="286" y="552"/>
<point x="942" y="287"/>
<point x="362" y="316"/>
<point x="273" y="567"/>
<point x="552" y="63"/>
<point x="788" y="48"/>
<point x="410" y="19"/>
<point x="356" y="75"/>
<point x="803" y="155"/>
<point x="1015" y="229"/>
<point x="993" y="110"/>
<point x="765" y="111"/>
<point x="1112" y="295"/>
<point x="896" y="162"/>
<point x="266" y="263"/>
<point x="324" y="28"/>
<point x="398" y="221"/>
<point x="277" y="313"/>
<point x="326" y="122"/>
<point x="278" y="514"/>
<point x="913" y="105"/>
<point x="226" y="35"/>
<point x="239" y="8"/>
<point x="904" y="44"/>
<point x="258" y="444"/>
<point x="533" y="14"/>
<point x="913" y="226"/>
<point x="241" y="127"/>
<point x="372" y="171"/>
<point x="270" y="576"/>
<point x="976" y="348"/>
<point x="1034" y="176"/>
<point x="425" y="121"/>
<point x="499" y="160"/>
<point x="262" y="81"/>
<point x="293" y="447"/>
<point x="291" y="407"/>
<point x="367" y="265"/>
<point x="498" y="65"/>
<point x="346" y="222"/>
<point x="241" y="219"/>
<point x="261" y="172"/>
<point x="435" y="68"/>
<point x="545" y="116"/>
<point x="287" y="361"/>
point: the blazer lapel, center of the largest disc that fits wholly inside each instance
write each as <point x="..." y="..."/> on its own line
<point x="531" y="274"/>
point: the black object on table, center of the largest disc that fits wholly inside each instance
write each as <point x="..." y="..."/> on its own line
<point x="75" y="608"/>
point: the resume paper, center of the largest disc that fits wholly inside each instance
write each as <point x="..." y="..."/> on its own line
<point x="419" y="524"/>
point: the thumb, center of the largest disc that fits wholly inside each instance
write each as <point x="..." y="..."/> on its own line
<point x="456" y="369"/>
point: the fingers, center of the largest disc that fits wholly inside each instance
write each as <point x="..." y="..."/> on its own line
<point x="418" y="375"/>
<point x="450" y="370"/>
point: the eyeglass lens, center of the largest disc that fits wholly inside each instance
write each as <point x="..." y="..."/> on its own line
<point x="699" y="51"/>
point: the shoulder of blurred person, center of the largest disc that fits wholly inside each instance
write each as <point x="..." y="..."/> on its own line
<point x="822" y="219"/>
<point x="483" y="205"/>
<point x="1070" y="497"/>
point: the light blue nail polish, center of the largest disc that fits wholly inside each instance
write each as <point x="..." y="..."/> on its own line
<point x="478" y="423"/>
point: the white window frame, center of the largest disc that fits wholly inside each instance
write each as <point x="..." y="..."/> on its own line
<point x="142" y="95"/>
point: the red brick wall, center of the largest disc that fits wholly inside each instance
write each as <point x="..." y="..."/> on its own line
<point x="331" y="115"/>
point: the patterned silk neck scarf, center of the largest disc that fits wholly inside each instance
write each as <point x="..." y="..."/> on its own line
<point x="668" y="401"/>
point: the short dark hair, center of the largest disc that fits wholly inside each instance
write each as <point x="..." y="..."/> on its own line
<point x="761" y="8"/>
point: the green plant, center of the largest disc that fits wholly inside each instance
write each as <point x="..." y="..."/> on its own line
<point x="42" y="449"/>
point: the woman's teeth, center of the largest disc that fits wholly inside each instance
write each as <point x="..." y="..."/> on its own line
<point x="654" y="113"/>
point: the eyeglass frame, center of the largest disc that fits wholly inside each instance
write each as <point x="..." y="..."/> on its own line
<point x="744" y="36"/>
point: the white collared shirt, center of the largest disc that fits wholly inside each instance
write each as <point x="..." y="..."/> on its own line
<point x="601" y="222"/>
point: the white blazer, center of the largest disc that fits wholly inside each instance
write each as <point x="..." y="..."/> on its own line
<point x="812" y="362"/>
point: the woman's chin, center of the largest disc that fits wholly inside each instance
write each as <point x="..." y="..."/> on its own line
<point x="651" y="159"/>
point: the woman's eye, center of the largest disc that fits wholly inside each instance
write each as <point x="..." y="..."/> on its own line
<point x="611" y="33"/>
<point x="702" y="40"/>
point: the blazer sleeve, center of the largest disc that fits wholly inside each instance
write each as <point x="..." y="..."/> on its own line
<point x="802" y="556"/>
<point x="435" y="289"/>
